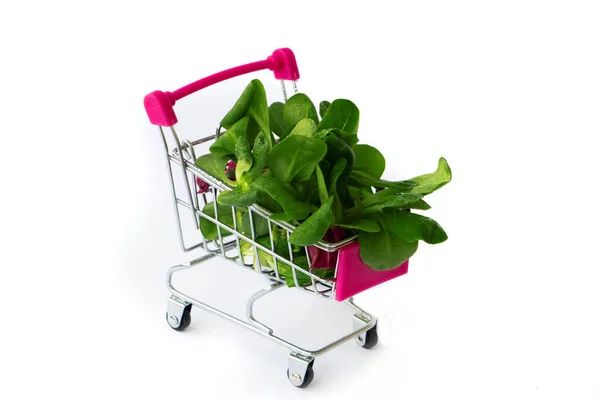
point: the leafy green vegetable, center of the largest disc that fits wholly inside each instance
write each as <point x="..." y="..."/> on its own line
<point x="321" y="185"/>
<point x="214" y="165"/>
<point x="323" y="106"/>
<point x="225" y="144"/>
<point x="334" y="176"/>
<point x="302" y="278"/>
<point x="208" y="228"/>
<point x="313" y="229"/>
<point x="280" y="247"/>
<point x="343" y="115"/>
<point x="368" y="180"/>
<point x="359" y="193"/>
<point x="260" y="223"/>
<point x="431" y="182"/>
<point x="278" y="126"/>
<point x="336" y="172"/>
<point x="361" y="223"/>
<point x="369" y="160"/>
<point x="419" y="205"/>
<point x="281" y="217"/>
<point x="244" y="159"/>
<point x="295" y="158"/>
<point x="253" y="103"/>
<point x="259" y="156"/>
<point x="305" y="127"/>
<point x="283" y="195"/>
<point x="337" y="148"/>
<point x="238" y="197"/>
<point x="412" y="227"/>
<point x="297" y="108"/>
<point x="318" y="178"/>
<point x="384" y="250"/>
<point x="399" y="201"/>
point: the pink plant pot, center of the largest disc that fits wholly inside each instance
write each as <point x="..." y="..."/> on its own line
<point x="354" y="276"/>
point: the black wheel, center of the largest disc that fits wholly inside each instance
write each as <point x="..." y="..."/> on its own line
<point x="370" y="340"/>
<point x="308" y="377"/>
<point x="186" y="319"/>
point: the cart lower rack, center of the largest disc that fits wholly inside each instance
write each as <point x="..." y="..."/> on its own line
<point x="194" y="194"/>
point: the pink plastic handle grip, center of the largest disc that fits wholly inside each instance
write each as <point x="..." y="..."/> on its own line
<point x="159" y="105"/>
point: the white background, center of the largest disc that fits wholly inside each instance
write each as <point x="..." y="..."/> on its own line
<point x="508" y="92"/>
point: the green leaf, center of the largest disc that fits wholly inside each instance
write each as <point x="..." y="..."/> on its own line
<point x="323" y="106"/>
<point x="238" y="197"/>
<point x="264" y="200"/>
<point x="366" y="179"/>
<point x="215" y="166"/>
<point x="252" y="102"/>
<point x="323" y="196"/>
<point x="359" y="223"/>
<point x="337" y="148"/>
<point x="369" y="160"/>
<point x="260" y="223"/>
<point x="412" y="227"/>
<point x="336" y="172"/>
<point x="241" y="106"/>
<point x="323" y="133"/>
<point x="351" y="140"/>
<point x="334" y="176"/>
<point x="384" y="250"/>
<point x="244" y="159"/>
<point x="225" y="144"/>
<point x="297" y="108"/>
<point x="281" y="217"/>
<point x="429" y="183"/>
<point x="343" y="115"/>
<point x="280" y="247"/>
<point x="377" y="197"/>
<point x="284" y="195"/>
<point x="302" y="278"/>
<point x="307" y="191"/>
<point x="359" y="193"/>
<point x="278" y="126"/>
<point x="328" y="274"/>
<point x="260" y="151"/>
<point x="305" y="127"/>
<point x="253" y="131"/>
<point x="419" y="205"/>
<point x="208" y="228"/>
<point x="295" y="158"/>
<point x="314" y="227"/>
<point x="398" y="201"/>
<point x="259" y="110"/>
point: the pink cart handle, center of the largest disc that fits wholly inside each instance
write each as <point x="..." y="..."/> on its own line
<point x="159" y="105"/>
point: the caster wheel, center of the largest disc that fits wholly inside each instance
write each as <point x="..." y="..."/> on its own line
<point x="308" y="378"/>
<point x="186" y="319"/>
<point x="369" y="339"/>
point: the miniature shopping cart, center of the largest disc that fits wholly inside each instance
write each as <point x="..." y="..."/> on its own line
<point x="351" y="275"/>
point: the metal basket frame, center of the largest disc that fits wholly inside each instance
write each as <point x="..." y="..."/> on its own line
<point x="180" y="162"/>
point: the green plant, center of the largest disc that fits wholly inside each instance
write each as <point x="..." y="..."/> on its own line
<point x="318" y="177"/>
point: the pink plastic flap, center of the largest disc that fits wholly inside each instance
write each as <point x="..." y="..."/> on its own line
<point x="354" y="276"/>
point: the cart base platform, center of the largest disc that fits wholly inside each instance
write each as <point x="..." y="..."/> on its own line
<point x="300" y="370"/>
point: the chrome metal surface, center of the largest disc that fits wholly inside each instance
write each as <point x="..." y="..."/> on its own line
<point x="283" y="90"/>
<point x="360" y="320"/>
<point x="175" y="309"/>
<point x="298" y="367"/>
<point x="250" y="305"/>
<point x="183" y="179"/>
<point x="257" y="326"/>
